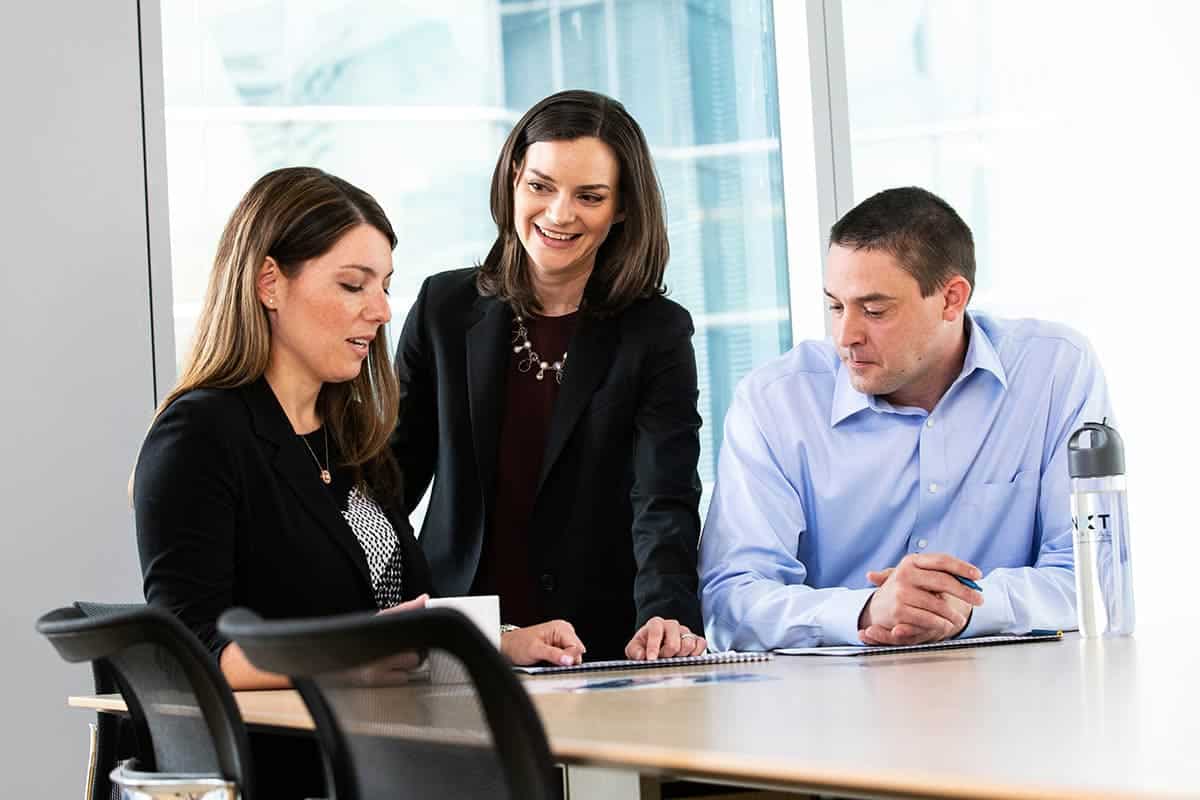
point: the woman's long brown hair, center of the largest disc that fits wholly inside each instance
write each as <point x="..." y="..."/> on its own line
<point x="293" y="215"/>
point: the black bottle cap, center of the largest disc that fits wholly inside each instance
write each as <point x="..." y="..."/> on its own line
<point x="1103" y="456"/>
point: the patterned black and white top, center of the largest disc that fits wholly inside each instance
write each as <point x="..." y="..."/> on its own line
<point x="378" y="539"/>
<point x="370" y="525"/>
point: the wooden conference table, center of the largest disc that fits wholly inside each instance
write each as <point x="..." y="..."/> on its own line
<point x="1069" y="719"/>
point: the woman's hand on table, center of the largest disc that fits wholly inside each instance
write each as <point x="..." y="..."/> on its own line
<point x="553" y="642"/>
<point x="664" y="638"/>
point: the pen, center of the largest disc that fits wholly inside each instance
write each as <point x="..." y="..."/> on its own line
<point x="970" y="584"/>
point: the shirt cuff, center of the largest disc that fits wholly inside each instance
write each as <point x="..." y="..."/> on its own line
<point x="994" y="616"/>
<point x="839" y="616"/>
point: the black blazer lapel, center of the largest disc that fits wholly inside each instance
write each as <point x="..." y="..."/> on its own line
<point x="290" y="462"/>
<point x="588" y="360"/>
<point x="488" y="341"/>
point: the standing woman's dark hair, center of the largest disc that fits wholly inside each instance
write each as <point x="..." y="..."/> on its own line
<point x="293" y="215"/>
<point x="631" y="262"/>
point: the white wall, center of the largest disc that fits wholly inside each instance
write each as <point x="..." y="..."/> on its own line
<point x="75" y="344"/>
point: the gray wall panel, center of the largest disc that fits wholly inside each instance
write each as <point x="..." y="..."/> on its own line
<point x="76" y="351"/>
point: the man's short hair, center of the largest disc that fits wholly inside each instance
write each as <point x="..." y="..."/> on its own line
<point x="917" y="228"/>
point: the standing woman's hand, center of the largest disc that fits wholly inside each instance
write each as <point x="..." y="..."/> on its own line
<point x="554" y="642"/>
<point x="665" y="638"/>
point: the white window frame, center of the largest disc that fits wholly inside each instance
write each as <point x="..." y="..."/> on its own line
<point x="817" y="180"/>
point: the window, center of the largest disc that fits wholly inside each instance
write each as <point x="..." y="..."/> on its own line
<point x="412" y="101"/>
<point x="1065" y="135"/>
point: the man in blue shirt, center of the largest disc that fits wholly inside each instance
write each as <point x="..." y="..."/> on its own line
<point x="858" y="476"/>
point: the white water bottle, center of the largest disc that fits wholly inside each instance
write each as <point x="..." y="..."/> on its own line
<point x="1100" y="517"/>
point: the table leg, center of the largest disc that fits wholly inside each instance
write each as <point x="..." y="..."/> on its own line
<point x="602" y="783"/>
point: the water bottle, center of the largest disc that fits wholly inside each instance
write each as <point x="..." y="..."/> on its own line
<point x="1100" y="517"/>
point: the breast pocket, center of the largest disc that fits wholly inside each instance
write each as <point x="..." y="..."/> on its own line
<point x="1004" y="515"/>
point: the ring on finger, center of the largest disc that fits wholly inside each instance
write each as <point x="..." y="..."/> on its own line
<point x="688" y="636"/>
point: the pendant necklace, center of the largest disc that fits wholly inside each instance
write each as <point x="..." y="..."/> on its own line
<point x="325" y="476"/>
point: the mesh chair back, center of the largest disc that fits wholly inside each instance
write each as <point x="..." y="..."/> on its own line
<point x="183" y="713"/>
<point x="457" y="724"/>
<point x="116" y="738"/>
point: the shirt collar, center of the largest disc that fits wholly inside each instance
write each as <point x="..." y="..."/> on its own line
<point x="981" y="355"/>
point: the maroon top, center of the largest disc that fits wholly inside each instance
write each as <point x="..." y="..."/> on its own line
<point x="528" y="405"/>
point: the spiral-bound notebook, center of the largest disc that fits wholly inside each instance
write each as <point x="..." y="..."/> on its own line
<point x="948" y="644"/>
<point x="728" y="657"/>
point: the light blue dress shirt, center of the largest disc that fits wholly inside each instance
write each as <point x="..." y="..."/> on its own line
<point x="818" y="483"/>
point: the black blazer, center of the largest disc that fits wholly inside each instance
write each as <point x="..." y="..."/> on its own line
<point x="616" y="522"/>
<point x="231" y="511"/>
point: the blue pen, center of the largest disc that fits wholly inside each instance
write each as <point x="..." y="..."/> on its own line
<point x="970" y="584"/>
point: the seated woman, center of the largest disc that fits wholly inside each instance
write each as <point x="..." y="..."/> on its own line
<point x="266" y="479"/>
<point x="552" y="392"/>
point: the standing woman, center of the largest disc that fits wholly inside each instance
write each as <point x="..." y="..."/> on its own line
<point x="550" y="394"/>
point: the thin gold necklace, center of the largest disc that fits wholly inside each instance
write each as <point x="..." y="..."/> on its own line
<point x="325" y="476"/>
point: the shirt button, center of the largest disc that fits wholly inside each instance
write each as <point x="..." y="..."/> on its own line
<point x="929" y="422"/>
<point x="933" y="487"/>
<point x="922" y="543"/>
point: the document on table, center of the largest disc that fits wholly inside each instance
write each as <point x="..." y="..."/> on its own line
<point x="948" y="644"/>
<point x="574" y="685"/>
<point x="727" y="657"/>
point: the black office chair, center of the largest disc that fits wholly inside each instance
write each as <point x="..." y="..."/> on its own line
<point x="188" y="734"/>
<point x="113" y="736"/>
<point x="405" y="734"/>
